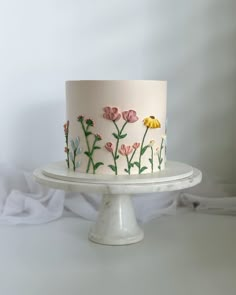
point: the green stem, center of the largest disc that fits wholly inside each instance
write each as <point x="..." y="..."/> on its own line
<point x="91" y="154"/>
<point x="132" y="156"/>
<point x="140" y="154"/>
<point x="92" y="164"/>
<point x="128" y="164"/>
<point x="123" y="127"/>
<point x="67" y="154"/>
<point x="129" y="161"/>
<point x="152" y="158"/>
<point x="119" y="132"/>
<point x="74" y="154"/>
<point x="87" y="143"/>
<point x="159" y="154"/>
<point x="114" y="163"/>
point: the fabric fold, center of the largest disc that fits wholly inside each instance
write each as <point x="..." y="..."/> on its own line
<point x="23" y="201"/>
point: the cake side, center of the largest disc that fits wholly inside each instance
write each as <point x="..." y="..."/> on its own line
<point x="115" y="127"/>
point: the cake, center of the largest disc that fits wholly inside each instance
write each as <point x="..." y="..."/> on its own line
<point x="115" y="127"/>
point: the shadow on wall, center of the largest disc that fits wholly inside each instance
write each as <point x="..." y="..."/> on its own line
<point x="40" y="137"/>
<point x="199" y="64"/>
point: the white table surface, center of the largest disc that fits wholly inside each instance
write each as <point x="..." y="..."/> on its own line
<point x="189" y="253"/>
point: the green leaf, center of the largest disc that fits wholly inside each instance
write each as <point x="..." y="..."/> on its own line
<point x="87" y="133"/>
<point x="132" y="165"/>
<point x="96" y="147"/>
<point x="113" y="168"/>
<point x="77" y="140"/>
<point x="150" y="160"/>
<point x="126" y="170"/>
<point x="137" y="164"/>
<point x="142" y="169"/>
<point x="87" y="154"/>
<point x="78" y="151"/>
<point x="117" y="157"/>
<point x="115" y="135"/>
<point x="123" y="136"/>
<point x="98" y="164"/>
<point x="144" y="149"/>
<point x="72" y="144"/>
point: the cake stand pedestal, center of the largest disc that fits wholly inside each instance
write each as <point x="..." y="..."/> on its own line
<point x="116" y="223"/>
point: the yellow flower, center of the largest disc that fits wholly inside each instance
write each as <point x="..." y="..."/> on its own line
<point x="151" y="122"/>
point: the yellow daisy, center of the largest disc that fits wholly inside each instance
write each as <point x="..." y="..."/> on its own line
<point x="151" y="122"/>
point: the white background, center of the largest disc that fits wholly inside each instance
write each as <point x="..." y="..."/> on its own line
<point x="192" y="44"/>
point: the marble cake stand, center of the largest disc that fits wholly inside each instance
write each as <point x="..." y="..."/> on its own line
<point x="116" y="223"/>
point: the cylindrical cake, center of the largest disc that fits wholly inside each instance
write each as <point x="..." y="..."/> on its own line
<point x="115" y="127"/>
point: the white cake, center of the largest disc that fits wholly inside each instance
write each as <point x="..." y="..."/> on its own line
<point x="115" y="127"/>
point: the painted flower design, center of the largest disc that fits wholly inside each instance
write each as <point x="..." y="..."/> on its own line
<point x="136" y="145"/>
<point x="87" y="124"/>
<point x="111" y="113"/>
<point x="151" y="122"/>
<point x="66" y="127"/>
<point x="66" y="150"/>
<point x="75" y="151"/>
<point x="98" y="137"/>
<point x="80" y="118"/>
<point x="109" y="147"/>
<point x="159" y="151"/>
<point x="125" y="150"/>
<point x="130" y="116"/>
<point x="151" y="143"/>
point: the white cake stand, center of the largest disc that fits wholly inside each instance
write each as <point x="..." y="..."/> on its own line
<point x="116" y="223"/>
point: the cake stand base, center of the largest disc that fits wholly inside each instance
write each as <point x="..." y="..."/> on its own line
<point x="116" y="223"/>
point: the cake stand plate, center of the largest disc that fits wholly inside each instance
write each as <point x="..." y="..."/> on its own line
<point x="116" y="223"/>
<point x="173" y="171"/>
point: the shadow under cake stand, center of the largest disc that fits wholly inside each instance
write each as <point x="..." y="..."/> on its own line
<point x="116" y="223"/>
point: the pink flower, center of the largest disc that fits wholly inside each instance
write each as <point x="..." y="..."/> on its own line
<point x="130" y="116"/>
<point x="80" y="118"/>
<point x="136" y="145"/>
<point x="125" y="150"/>
<point x="109" y="147"/>
<point x="66" y="127"/>
<point x="89" y="122"/>
<point x="112" y="114"/>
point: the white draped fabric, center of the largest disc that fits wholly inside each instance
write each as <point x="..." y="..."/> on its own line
<point x="23" y="201"/>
